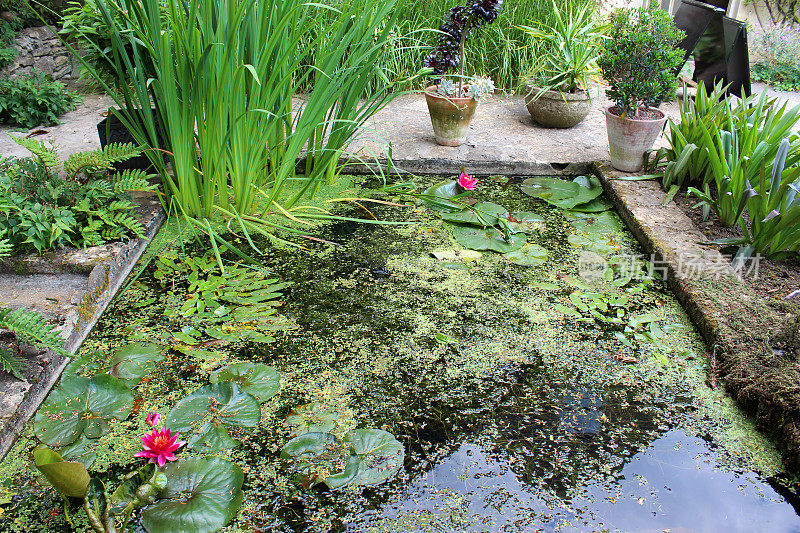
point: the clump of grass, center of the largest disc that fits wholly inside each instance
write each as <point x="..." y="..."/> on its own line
<point x="501" y="51"/>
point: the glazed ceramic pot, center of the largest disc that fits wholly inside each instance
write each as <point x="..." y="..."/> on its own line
<point x="554" y="109"/>
<point x="450" y="116"/>
<point x="629" y="139"/>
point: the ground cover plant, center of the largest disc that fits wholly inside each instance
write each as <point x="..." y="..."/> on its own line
<point x="395" y="349"/>
<point x="46" y="204"/>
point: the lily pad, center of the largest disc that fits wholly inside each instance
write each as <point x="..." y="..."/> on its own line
<point x="437" y="196"/>
<point x="132" y="362"/>
<point x="209" y="412"/>
<point x="562" y="193"/>
<point x="67" y="477"/>
<point x="201" y="496"/>
<point x="312" y="418"/>
<point x="487" y="239"/>
<point x="595" y="223"/>
<point x="261" y="381"/>
<point x="483" y="214"/>
<point x="524" y="222"/>
<point x="322" y="458"/>
<point x="598" y="205"/>
<point x="82" y="406"/>
<point x="530" y="254"/>
<point x="82" y="450"/>
<point x="380" y="455"/>
<point x="593" y="242"/>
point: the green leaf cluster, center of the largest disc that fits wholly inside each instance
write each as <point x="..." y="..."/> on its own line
<point x="29" y="327"/>
<point x="639" y="58"/>
<point x="46" y="205"/>
<point x="235" y="305"/>
<point x="34" y="99"/>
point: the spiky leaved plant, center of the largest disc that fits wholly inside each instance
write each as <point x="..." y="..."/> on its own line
<point x="460" y="23"/>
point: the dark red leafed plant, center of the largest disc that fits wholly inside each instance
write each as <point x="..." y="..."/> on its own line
<point x="460" y="23"/>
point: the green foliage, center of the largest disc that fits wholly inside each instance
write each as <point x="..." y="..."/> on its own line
<point x="776" y="57"/>
<point x="84" y="24"/>
<point x="686" y="161"/>
<point x="29" y="327"/>
<point x="34" y="99"/>
<point x="8" y="31"/>
<point x="639" y="57"/>
<point x="40" y="209"/>
<point x="235" y="305"/>
<point x="364" y="457"/>
<point x="31" y="12"/>
<point x="740" y="153"/>
<point x="572" y="47"/>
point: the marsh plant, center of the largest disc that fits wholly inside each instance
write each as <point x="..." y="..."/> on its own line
<point x="223" y="77"/>
<point x="461" y="23"/>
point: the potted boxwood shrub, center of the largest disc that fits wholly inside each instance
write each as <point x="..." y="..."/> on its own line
<point x="557" y="92"/>
<point x="638" y="60"/>
<point x="451" y="103"/>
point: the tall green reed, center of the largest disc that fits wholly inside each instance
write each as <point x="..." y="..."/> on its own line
<point x="223" y="77"/>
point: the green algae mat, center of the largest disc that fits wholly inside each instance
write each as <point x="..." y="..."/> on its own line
<point x="501" y="360"/>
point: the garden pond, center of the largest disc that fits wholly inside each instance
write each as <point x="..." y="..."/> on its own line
<point x="548" y="384"/>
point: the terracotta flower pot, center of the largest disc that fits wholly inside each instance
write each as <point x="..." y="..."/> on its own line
<point x="450" y="116"/>
<point x="629" y="139"/>
<point x="555" y="109"/>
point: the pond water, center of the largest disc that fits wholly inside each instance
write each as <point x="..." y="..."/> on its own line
<point x="519" y="409"/>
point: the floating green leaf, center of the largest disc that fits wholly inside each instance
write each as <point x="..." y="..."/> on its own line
<point x="312" y="418"/>
<point x="593" y="242"/>
<point x="261" y="381"/>
<point x="529" y="255"/>
<point x="82" y="406"/>
<point x="68" y="478"/>
<point x="524" y="222"/>
<point x="606" y="222"/>
<point x="201" y="496"/>
<point x="379" y="453"/>
<point x="82" y="450"/>
<point x="483" y="214"/>
<point x="322" y="458"/>
<point x="562" y="193"/>
<point x="436" y="197"/>
<point x="209" y="412"/>
<point x="132" y="362"/>
<point x="487" y="239"/>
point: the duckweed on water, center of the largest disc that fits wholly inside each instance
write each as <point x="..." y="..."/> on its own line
<point x="514" y="413"/>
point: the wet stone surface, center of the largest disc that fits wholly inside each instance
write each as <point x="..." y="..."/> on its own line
<point x="516" y="415"/>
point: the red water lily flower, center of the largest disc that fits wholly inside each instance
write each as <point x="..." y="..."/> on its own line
<point x="159" y="446"/>
<point x="467" y="182"/>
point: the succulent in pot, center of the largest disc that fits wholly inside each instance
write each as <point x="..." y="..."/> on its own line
<point x="557" y="90"/>
<point x="452" y="102"/>
<point x="639" y="61"/>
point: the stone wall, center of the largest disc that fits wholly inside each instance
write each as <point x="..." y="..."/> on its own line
<point x="40" y="50"/>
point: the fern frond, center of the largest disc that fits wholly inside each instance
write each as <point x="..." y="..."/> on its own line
<point x="33" y="328"/>
<point x="46" y="155"/>
<point x="127" y="221"/>
<point x="13" y="364"/>
<point x="116" y="152"/>
<point x="86" y="162"/>
<point x="132" y="180"/>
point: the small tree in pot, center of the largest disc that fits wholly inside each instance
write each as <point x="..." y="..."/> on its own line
<point x="452" y="104"/>
<point x="638" y="60"/>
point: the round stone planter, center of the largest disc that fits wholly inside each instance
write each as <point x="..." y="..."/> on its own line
<point x="555" y="109"/>
<point x="629" y="139"/>
<point x="450" y="116"/>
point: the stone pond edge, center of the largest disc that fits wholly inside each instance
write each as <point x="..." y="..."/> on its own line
<point x="105" y="279"/>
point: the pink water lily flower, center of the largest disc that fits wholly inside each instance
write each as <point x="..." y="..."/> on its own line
<point x="159" y="446"/>
<point x="153" y="419"/>
<point x="467" y="182"/>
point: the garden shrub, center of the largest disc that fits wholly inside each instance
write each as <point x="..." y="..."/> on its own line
<point x="34" y="99"/>
<point x="777" y="58"/>
<point x="44" y="206"/>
